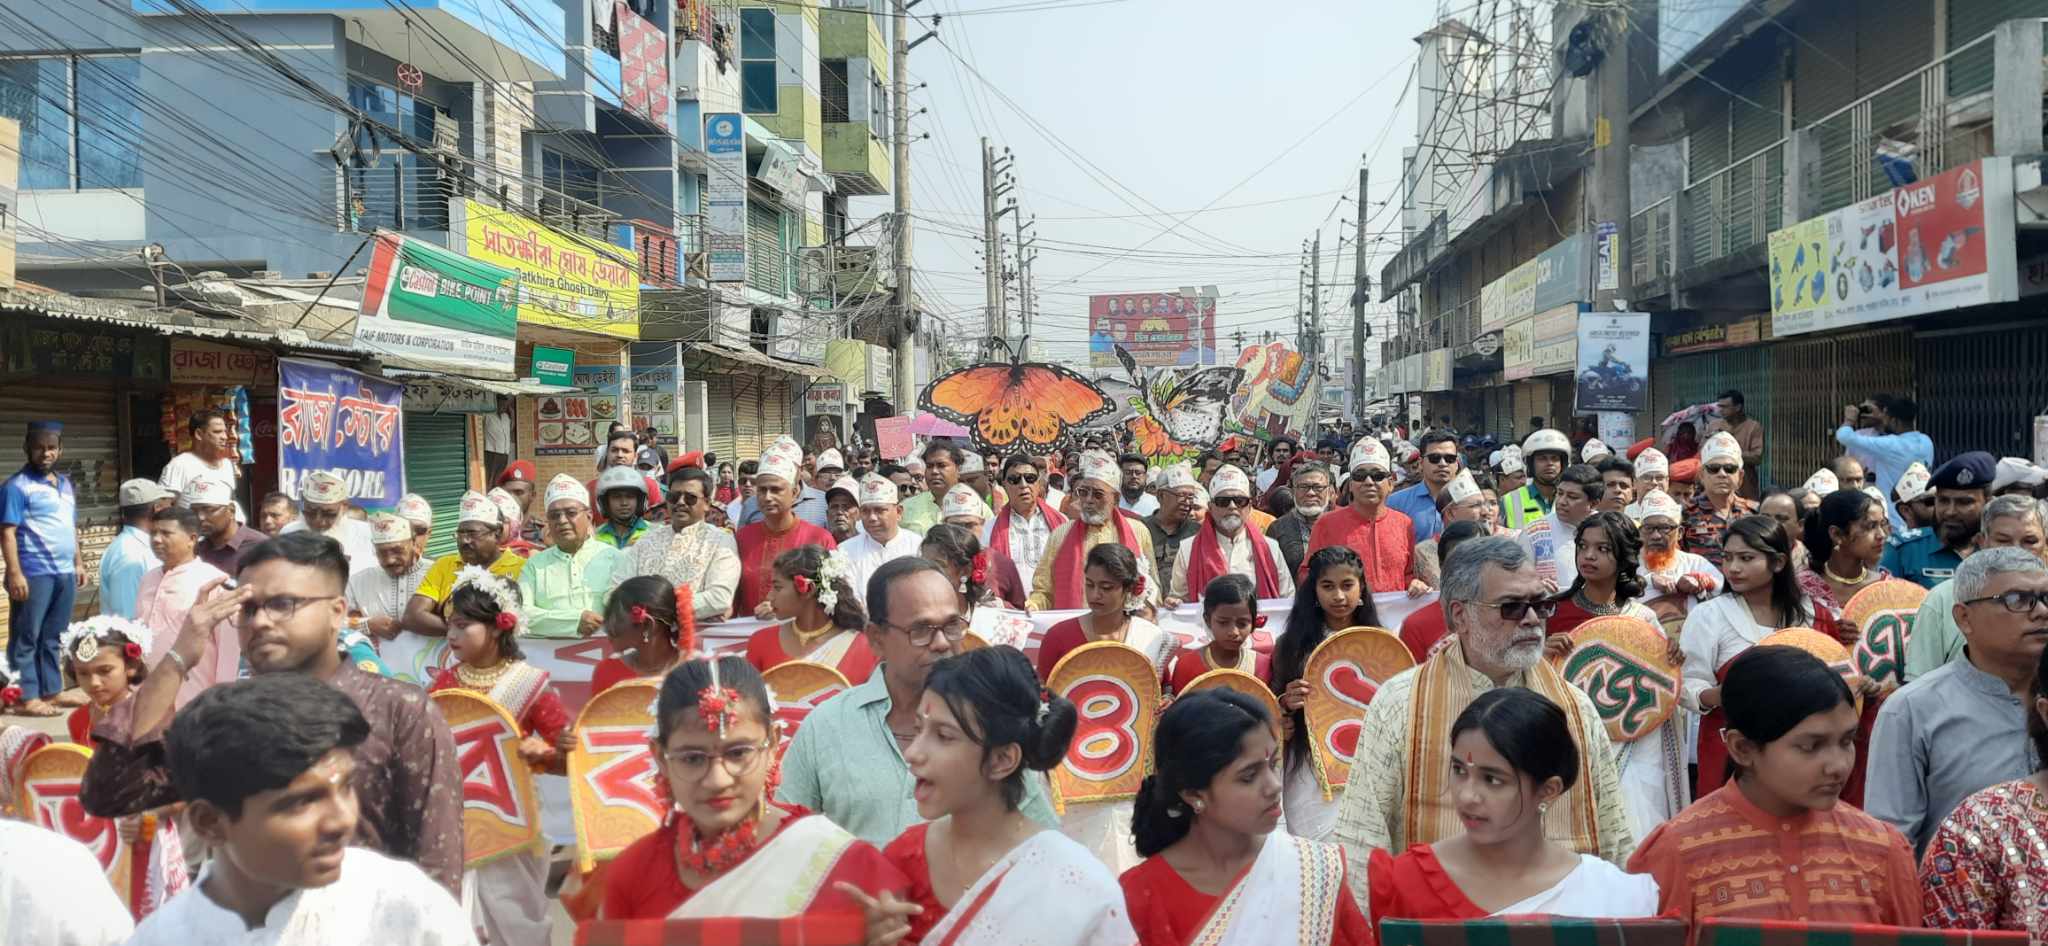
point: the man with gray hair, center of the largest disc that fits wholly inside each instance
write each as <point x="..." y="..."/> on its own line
<point x="1399" y="792"/>
<point x="1963" y="726"/>
<point x="1312" y="494"/>
<point x="2008" y="522"/>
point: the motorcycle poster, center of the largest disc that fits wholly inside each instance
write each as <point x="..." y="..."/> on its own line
<point x="1614" y="362"/>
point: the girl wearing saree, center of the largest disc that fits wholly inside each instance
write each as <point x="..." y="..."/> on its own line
<point x="1845" y="539"/>
<point x="646" y="620"/>
<point x="1332" y="596"/>
<point x="1763" y="597"/>
<point x="818" y="615"/>
<point x="1114" y="588"/>
<point x="728" y="850"/>
<point x="1512" y="755"/>
<point x="1215" y="871"/>
<point x="981" y="872"/>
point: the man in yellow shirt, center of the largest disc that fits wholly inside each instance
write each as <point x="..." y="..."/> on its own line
<point x="479" y="529"/>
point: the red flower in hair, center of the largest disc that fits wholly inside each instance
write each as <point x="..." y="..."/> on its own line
<point x="979" y="574"/>
<point x="131" y="650"/>
<point x="1259" y="622"/>
<point x="507" y="620"/>
<point x="1138" y="587"/>
<point x="10" y="696"/>
<point x="803" y="584"/>
<point x="639" y="614"/>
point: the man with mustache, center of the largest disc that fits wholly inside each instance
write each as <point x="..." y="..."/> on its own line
<point x="1383" y="538"/>
<point x="842" y="509"/>
<point x="1545" y="454"/>
<point x="1672" y="578"/>
<point x="1963" y="727"/>
<point x="323" y="510"/>
<point x="1058" y="583"/>
<point x="1961" y="487"/>
<point x="1718" y="502"/>
<point x="1400" y="794"/>
<point x="1312" y="493"/>
<point x="1225" y="545"/>
<point x="1177" y="516"/>
<point x="479" y="529"/>
<point x="2009" y="522"/>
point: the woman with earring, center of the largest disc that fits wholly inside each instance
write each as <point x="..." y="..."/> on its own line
<point x="726" y="849"/>
<point x="1215" y="870"/>
<point x="981" y="872"/>
<point x="1763" y="596"/>
<point x="1114" y="588"/>
<point x="645" y="619"/>
<point x="1845" y="539"/>
<point x="1512" y="755"/>
<point x="818" y="616"/>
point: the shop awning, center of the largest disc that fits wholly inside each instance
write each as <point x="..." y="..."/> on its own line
<point x="747" y="356"/>
<point x="436" y="392"/>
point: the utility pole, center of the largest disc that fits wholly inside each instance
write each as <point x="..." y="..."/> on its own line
<point x="1360" y="289"/>
<point x="993" y="187"/>
<point x="1026" y="253"/>
<point x="1608" y="103"/>
<point x="899" y="144"/>
<point x="1313" y="350"/>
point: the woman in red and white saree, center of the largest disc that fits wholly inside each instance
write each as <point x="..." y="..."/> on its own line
<point x="818" y="617"/>
<point x="1763" y="597"/>
<point x="981" y="872"/>
<point x="1215" y="870"/>
<point x="727" y="851"/>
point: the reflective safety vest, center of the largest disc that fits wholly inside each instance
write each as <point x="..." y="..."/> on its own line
<point x="1522" y="507"/>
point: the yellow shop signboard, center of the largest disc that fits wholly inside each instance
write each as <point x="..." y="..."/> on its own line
<point x="566" y="281"/>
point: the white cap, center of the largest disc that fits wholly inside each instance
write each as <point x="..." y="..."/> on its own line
<point x="1915" y="482"/>
<point x="1822" y="482"/>
<point x="1408" y="451"/>
<point x="1874" y="493"/>
<point x="564" y="486"/>
<point x="1229" y="481"/>
<point x="137" y="492"/>
<point x="1654" y="503"/>
<point x="962" y="500"/>
<point x="387" y="529"/>
<point x="972" y="463"/>
<point x="323" y="487"/>
<point x="2015" y="471"/>
<point x="846" y="483"/>
<point x="913" y="464"/>
<point x="1547" y="439"/>
<point x="508" y="507"/>
<point x="1594" y="450"/>
<point x="829" y="460"/>
<point x="1462" y="487"/>
<point x="1369" y="452"/>
<point x="476" y="507"/>
<point x="878" y="491"/>
<point x="1177" y="476"/>
<point x="414" y="508"/>
<point x="1721" y="447"/>
<point x="1510" y="460"/>
<point x="778" y="462"/>
<point x="1095" y="465"/>
<point x="1652" y="460"/>
<point x="208" y="489"/>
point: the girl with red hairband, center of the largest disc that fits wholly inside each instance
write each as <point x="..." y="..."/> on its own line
<point x="818" y="614"/>
<point x="651" y="626"/>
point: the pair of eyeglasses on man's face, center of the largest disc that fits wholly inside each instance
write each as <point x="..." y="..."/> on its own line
<point x="1722" y="469"/>
<point x="1231" y="502"/>
<point x="1021" y="479"/>
<point x="1516" y="609"/>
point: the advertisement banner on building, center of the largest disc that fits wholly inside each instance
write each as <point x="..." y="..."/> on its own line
<point x="1159" y="329"/>
<point x="437" y="309"/>
<point x="1942" y="243"/>
<point x="556" y="366"/>
<point x="1613" y="362"/>
<point x="1554" y="343"/>
<point x="1556" y="276"/>
<point x="344" y="422"/>
<point x="654" y="393"/>
<point x="644" y="88"/>
<point x="1518" y="350"/>
<point x="221" y="366"/>
<point x="1715" y="337"/>
<point x="1436" y="370"/>
<point x="568" y="424"/>
<point x="565" y="281"/>
<point x="725" y="196"/>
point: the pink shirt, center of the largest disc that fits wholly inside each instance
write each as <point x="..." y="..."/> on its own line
<point x="161" y="604"/>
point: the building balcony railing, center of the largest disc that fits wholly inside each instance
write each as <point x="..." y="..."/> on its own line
<point x="412" y="193"/>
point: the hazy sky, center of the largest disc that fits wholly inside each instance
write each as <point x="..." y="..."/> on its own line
<point x="1126" y="115"/>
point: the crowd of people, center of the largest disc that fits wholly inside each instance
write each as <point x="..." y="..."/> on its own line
<point x="232" y="694"/>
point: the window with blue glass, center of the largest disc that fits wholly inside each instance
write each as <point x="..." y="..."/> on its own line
<point x="562" y="174"/>
<point x="757" y="62"/>
<point x="81" y="121"/>
<point x="390" y="186"/>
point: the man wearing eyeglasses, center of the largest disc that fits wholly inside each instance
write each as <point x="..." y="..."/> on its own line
<point x="1963" y="726"/>
<point x="2008" y="522"/>
<point x="1716" y="504"/>
<point x="563" y="587"/>
<point x="1673" y="579"/>
<point x="1058" y="582"/>
<point x="1496" y="605"/>
<point x="380" y="593"/>
<point x="1133" y="498"/>
<point x="1383" y="538"/>
<point x="882" y="538"/>
<point x="1025" y="524"/>
<point x="1313" y="495"/>
<point x="1440" y="464"/>
<point x="288" y="611"/>
<point x="1175" y="519"/>
<point x="1227" y="545"/>
<point x="846" y="761"/>
<point x="688" y="550"/>
<point x="479" y="528"/>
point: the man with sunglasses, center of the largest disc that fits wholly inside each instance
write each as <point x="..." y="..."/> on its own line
<point x="1440" y="464"/>
<point x="1383" y="538"/>
<point x="288" y="610"/>
<point x="1709" y="511"/>
<point x="563" y="587"/>
<point x="1026" y="523"/>
<point x="689" y="550"/>
<point x="1963" y="726"/>
<point x="1227" y="545"/>
<point x="323" y="510"/>
<point x="1961" y="488"/>
<point x="1879" y="433"/>
<point x="479" y="527"/>
<point x="1915" y="500"/>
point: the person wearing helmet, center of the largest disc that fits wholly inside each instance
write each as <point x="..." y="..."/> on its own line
<point x="622" y="496"/>
<point x="1545" y="453"/>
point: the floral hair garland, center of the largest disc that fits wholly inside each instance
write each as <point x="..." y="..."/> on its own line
<point x="81" y="641"/>
<point x="1135" y="601"/>
<point x="831" y="572"/>
<point x="502" y="592"/>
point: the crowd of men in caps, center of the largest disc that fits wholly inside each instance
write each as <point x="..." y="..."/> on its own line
<point x="239" y="717"/>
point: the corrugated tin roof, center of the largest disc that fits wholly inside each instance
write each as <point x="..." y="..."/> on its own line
<point x="58" y="305"/>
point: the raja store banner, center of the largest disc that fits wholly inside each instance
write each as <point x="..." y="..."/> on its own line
<point x="436" y="308"/>
<point x="1938" y="244"/>
<point x="345" y="422"/>
<point x="565" y="280"/>
<point x="1614" y="362"/>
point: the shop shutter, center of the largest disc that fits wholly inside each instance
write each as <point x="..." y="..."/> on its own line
<point x="746" y="405"/>
<point x="767" y="268"/>
<point x="1812" y="379"/>
<point x="1532" y="399"/>
<point x="718" y="418"/>
<point x="1971" y="72"/>
<point x="92" y="459"/>
<point x="437" y="468"/>
<point x="775" y="419"/>
<point x="1823" y="61"/>
<point x="1753" y="127"/>
<point x="1972" y="396"/>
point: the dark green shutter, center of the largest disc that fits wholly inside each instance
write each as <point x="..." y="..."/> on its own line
<point x="1968" y="19"/>
<point x="437" y="468"/>
<point x="767" y="262"/>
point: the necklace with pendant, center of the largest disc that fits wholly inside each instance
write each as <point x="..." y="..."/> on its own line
<point x="482" y="679"/>
<point x="1582" y="601"/>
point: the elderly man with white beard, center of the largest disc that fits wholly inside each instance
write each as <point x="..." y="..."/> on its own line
<point x="323" y="510"/>
<point x="1313" y="491"/>
<point x="1400" y="792"/>
<point x="1058" y="583"/>
<point x="1225" y="546"/>
<point x="1673" y="579"/>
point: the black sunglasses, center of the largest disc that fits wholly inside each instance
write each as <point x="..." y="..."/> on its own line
<point x="1445" y="458"/>
<point x="1376" y="476"/>
<point x="1231" y="502"/>
<point x="1517" y="609"/>
<point x="1021" y="479"/>
<point x="1722" y="469"/>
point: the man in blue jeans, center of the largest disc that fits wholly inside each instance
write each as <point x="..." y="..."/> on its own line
<point x="39" y="537"/>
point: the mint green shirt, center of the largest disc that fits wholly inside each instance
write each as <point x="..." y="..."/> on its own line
<point x="1936" y="640"/>
<point x="845" y="765"/>
<point x="555" y="588"/>
<point x="920" y="514"/>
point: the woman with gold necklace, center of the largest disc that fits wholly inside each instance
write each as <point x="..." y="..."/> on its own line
<point x="726" y="850"/>
<point x="507" y="897"/>
<point x="819" y="616"/>
<point x="1845" y="537"/>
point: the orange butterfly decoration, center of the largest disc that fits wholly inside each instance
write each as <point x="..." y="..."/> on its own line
<point x="1015" y="405"/>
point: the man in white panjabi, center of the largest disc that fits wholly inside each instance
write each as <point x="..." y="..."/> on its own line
<point x="53" y="892"/>
<point x="687" y="550"/>
<point x="1230" y="492"/>
<point x="379" y="593"/>
<point x="881" y="537"/>
<point x="323" y="510"/>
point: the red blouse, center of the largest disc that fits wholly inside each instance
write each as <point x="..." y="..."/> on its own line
<point x="1190" y="664"/>
<point x="906" y="854"/>
<point x="642" y="882"/>
<point x="1167" y="911"/>
<point x="764" y="650"/>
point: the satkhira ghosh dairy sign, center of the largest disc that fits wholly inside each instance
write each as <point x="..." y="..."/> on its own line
<point x="566" y="281"/>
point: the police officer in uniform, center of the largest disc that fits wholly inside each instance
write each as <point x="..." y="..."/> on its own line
<point x="1929" y="556"/>
<point x="1545" y="452"/>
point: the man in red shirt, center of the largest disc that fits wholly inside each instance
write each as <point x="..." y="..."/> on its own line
<point x="1383" y="538"/>
<point x="775" y="492"/>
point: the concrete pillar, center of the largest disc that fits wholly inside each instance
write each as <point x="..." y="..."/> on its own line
<point x="1802" y="176"/>
<point x="2016" y="87"/>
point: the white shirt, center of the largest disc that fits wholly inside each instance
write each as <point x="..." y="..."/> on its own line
<point x="53" y="893"/>
<point x="497" y="433"/>
<point x="1716" y="631"/>
<point x="705" y="557"/>
<point x="377" y="594"/>
<point x="353" y="534"/>
<point x="1553" y="545"/>
<point x="185" y="466"/>
<point x="1266" y="478"/>
<point x="1027" y="540"/>
<point x="864" y="555"/>
<point x="1237" y="560"/>
<point x="377" y="901"/>
<point x="1145" y="505"/>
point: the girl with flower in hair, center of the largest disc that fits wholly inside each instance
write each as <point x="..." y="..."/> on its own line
<point x="1114" y="588"/>
<point x="819" y="616"/>
<point x="727" y="849"/>
<point x="651" y="626"/>
<point x="506" y="897"/>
